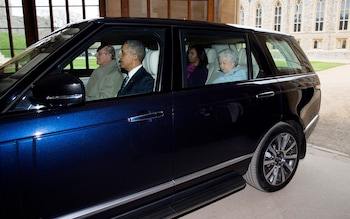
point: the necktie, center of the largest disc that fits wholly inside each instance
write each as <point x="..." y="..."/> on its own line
<point x="125" y="81"/>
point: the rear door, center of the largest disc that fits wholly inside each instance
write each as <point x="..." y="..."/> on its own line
<point x="217" y="126"/>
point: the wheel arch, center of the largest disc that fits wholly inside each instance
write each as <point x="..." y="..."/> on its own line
<point x="301" y="137"/>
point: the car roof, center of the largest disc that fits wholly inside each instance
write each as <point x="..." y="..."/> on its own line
<point x="257" y="29"/>
<point x="178" y="22"/>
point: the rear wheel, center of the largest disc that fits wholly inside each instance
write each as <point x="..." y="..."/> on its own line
<point x="275" y="160"/>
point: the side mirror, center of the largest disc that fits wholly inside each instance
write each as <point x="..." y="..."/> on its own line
<point x="58" y="90"/>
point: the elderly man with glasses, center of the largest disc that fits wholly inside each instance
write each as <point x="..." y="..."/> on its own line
<point x="105" y="80"/>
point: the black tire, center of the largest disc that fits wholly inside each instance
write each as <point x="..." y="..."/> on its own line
<point x="275" y="160"/>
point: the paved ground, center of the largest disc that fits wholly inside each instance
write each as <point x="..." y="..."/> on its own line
<point x="333" y="129"/>
<point x="320" y="188"/>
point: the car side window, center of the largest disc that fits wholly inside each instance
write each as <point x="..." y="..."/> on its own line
<point x="84" y="61"/>
<point x="286" y="57"/>
<point x="214" y="58"/>
<point x="101" y="70"/>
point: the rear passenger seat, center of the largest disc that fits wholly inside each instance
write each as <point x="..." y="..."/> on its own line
<point x="243" y="62"/>
<point x="213" y="65"/>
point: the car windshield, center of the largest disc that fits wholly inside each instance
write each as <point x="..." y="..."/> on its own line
<point x="18" y="66"/>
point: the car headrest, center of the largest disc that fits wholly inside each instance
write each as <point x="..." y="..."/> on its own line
<point x="150" y="62"/>
<point x="242" y="57"/>
<point x="117" y="51"/>
<point x="211" y="54"/>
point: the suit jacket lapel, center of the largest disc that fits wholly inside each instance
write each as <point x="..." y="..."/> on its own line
<point x="133" y="78"/>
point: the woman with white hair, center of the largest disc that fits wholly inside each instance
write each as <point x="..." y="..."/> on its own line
<point x="228" y="61"/>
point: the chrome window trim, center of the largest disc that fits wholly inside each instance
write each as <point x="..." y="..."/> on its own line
<point x="90" y="211"/>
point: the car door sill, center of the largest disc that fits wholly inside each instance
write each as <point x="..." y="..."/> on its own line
<point x="190" y="199"/>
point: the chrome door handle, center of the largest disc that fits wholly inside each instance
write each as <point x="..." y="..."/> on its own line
<point x="146" y="117"/>
<point x="265" y="94"/>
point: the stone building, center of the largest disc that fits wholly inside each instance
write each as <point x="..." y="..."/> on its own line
<point x="320" y="26"/>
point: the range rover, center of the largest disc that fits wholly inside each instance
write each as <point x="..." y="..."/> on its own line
<point x="156" y="154"/>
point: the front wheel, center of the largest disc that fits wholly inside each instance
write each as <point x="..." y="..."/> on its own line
<point x="275" y="160"/>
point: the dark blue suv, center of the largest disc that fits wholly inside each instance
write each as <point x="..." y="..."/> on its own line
<point x="159" y="153"/>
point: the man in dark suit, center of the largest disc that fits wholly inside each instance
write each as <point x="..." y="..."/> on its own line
<point x="138" y="80"/>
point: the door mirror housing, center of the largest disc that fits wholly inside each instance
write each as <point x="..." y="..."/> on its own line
<point x="58" y="90"/>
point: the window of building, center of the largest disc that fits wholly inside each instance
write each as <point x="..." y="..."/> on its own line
<point x="137" y="8"/>
<point x="278" y="15"/>
<point x="198" y="10"/>
<point x="18" y="33"/>
<point x="12" y="32"/>
<point x="320" y="15"/>
<point x="241" y="15"/>
<point x="318" y="44"/>
<point x="344" y="15"/>
<point x="188" y="10"/>
<point x="258" y="16"/>
<point x="297" y="15"/>
<point x="52" y="15"/>
<point x="179" y="9"/>
<point x="158" y="8"/>
<point x="341" y="43"/>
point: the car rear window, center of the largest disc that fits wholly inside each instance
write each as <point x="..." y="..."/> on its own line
<point x="286" y="55"/>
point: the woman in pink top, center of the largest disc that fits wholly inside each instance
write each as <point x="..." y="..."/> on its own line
<point x="197" y="71"/>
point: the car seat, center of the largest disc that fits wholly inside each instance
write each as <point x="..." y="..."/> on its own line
<point x="150" y="62"/>
<point x="212" y="66"/>
<point x="243" y="62"/>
